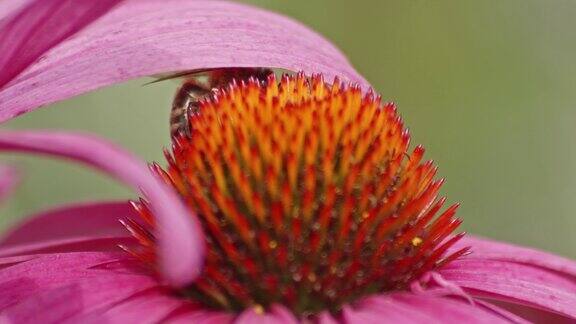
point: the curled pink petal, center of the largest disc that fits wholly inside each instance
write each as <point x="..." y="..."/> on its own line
<point x="147" y="37"/>
<point x="515" y="282"/>
<point x="95" y="219"/>
<point x="181" y="244"/>
<point x="8" y="180"/>
<point x="37" y="26"/>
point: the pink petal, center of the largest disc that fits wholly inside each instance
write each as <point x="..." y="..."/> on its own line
<point x="515" y="282"/>
<point x="151" y="306"/>
<point x="76" y="299"/>
<point x="483" y="248"/>
<point x="9" y="8"/>
<point x="415" y="308"/>
<point x="8" y="180"/>
<point x="77" y="244"/>
<point x="276" y="315"/>
<point x="10" y="261"/>
<point x="511" y="315"/>
<point x="326" y="318"/>
<point x="95" y="219"/>
<point x="533" y="315"/>
<point x="199" y="317"/>
<point x="376" y="315"/>
<point x="147" y="37"/>
<point x="452" y="310"/>
<point x="28" y="278"/>
<point x="38" y="26"/>
<point x="181" y="245"/>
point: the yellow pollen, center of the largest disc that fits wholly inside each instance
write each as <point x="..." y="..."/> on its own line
<point x="416" y="241"/>
<point x="258" y="309"/>
<point x="273" y="244"/>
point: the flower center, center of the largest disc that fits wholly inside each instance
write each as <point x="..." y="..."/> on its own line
<point x="307" y="197"/>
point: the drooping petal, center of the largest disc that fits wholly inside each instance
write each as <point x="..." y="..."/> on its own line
<point x="147" y="37"/>
<point x="8" y="180"/>
<point x="515" y="282"/>
<point x="95" y="219"/>
<point x="181" y="245"/>
<point x="277" y="315"/>
<point x="36" y="26"/>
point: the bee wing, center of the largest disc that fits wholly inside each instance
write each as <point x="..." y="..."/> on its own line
<point x="176" y="75"/>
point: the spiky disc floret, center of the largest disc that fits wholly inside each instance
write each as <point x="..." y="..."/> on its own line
<point x="307" y="197"/>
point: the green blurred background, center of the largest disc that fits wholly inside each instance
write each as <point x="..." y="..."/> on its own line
<point x="488" y="86"/>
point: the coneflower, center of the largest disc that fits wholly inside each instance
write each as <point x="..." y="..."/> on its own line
<point x="284" y="201"/>
<point x="307" y="196"/>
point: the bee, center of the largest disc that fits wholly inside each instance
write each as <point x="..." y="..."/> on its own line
<point x="201" y="84"/>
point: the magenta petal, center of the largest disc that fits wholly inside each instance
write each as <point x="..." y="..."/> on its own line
<point x="199" y="317"/>
<point x="533" y="315"/>
<point x="325" y="318"/>
<point x="42" y="273"/>
<point x="452" y="310"/>
<point x="97" y="219"/>
<point x="375" y="315"/>
<point x="558" y="274"/>
<point x="276" y="315"/>
<point x="147" y="37"/>
<point x="9" y="8"/>
<point x="38" y="26"/>
<point x="8" y="181"/>
<point x="515" y="282"/>
<point x="10" y="261"/>
<point x="483" y="248"/>
<point x="418" y="308"/>
<point x="76" y="299"/>
<point x="181" y="246"/>
<point x="77" y="244"/>
<point x="151" y="306"/>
